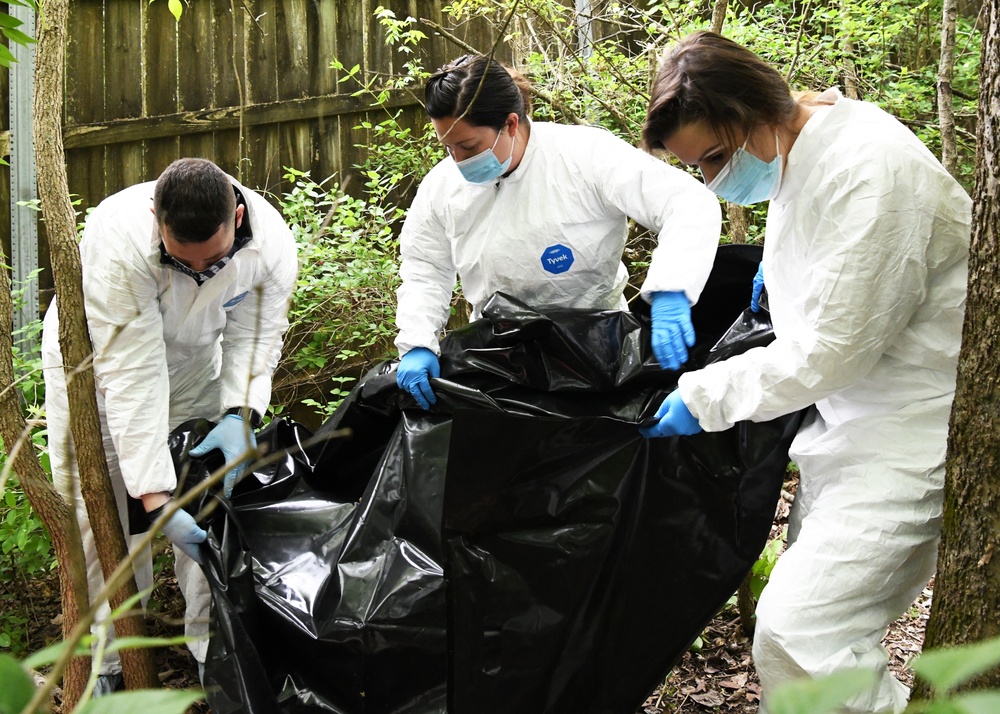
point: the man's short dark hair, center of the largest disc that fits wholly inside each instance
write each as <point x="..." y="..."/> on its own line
<point x="193" y="198"/>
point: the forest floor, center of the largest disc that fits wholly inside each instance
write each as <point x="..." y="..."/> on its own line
<point x="719" y="678"/>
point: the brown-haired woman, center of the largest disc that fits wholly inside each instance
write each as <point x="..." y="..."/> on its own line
<point x="539" y="211"/>
<point x="866" y="262"/>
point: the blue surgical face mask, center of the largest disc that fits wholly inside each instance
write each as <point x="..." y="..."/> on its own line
<point x="746" y="180"/>
<point x="485" y="167"/>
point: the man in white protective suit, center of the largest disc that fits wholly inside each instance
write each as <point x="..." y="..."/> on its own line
<point x="866" y="260"/>
<point x="186" y="283"/>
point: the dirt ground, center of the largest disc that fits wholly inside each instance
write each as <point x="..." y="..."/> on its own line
<point x="719" y="678"/>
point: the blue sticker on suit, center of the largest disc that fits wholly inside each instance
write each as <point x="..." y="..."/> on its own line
<point x="237" y="300"/>
<point x="557" y="258"/>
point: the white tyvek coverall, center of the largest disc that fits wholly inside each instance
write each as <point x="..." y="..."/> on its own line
<point x="166" y="351"/>
<point x="572" y="193"/>
<point x="865" y="262"/>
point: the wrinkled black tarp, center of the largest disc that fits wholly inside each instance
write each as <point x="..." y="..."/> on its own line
<point x="518" y="549"/>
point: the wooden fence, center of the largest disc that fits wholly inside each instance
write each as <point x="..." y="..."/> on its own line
<point x="247" y="83"/>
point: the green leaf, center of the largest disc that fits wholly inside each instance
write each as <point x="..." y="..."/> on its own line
<point x="148" y="701"/>
<point x="176" y="9"/>
<point x="50" y="654"/>
<point x="819" y="696"/>
<point x="134" y="643"/>
<point x="6" y="57"/>
<point x="16" y="687"/>
<point x="129" y="603"/>
<point x="945" y="669"/>
<point x="8" y="21"/>
<point x="18" y="37"/>
<point x="4" y="639"/>
<point x="986" y="702"/>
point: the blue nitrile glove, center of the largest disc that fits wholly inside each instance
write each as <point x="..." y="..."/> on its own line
<point x="182" y="530"/>
<point x="232" y="436"/>
<point x="758" y="288"/>
<point x="413" y="374"/>
<point x="675" y="419"/>
<point x="673" y="331"/>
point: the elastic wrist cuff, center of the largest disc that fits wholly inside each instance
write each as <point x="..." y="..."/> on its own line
<point x="248" y="414"/>
<point x="155" y="514"/>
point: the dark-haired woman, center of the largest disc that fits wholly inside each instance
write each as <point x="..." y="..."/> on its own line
<point x="865" y="260"/>
<point x="539" y="211"/>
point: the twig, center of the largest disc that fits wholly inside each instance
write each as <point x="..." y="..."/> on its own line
<point x="540" y="93"/>
<point x="798" y="41"/>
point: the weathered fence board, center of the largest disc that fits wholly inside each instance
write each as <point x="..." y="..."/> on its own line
<point x="249" y="84"/>
<point x="123" y="90"/>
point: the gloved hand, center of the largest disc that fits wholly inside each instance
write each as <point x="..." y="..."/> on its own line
<point x="673" y="331"/>
<point x="232" y="436"/>
<point x="675" y="419"/>
<point x="183" y="532"/>
<point x="413" y="374"/>
<point x="758" y="288"/>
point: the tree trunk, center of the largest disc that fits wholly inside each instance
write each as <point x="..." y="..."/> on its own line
<point x="739" y="216"/>
<point x="966" y="594"/>
<point x="739" y="222"/>
<point x="946" y="100"/>
<point x="850" y="69"/>
<point x="719" y="15"/>
<point x="56" y="514"/>
<point x="74" y="338"/>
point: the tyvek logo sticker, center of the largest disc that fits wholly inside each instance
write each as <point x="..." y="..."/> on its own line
<point x="557" y="258"/>
<point x="237" y="300"/>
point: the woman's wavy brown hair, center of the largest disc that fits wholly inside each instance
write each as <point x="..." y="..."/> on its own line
<point x="707" y="77"/>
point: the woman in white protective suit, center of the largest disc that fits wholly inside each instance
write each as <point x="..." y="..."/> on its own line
<point x="865" y="260"/>
<point x="540" y="211"/>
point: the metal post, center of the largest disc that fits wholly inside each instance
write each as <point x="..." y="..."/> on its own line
<point x="584" y="28"/>
<point x="23" y="188"/>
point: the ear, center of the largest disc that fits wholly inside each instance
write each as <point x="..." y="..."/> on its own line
<point x="239" y="215"/>
<point x="513" y="121"/>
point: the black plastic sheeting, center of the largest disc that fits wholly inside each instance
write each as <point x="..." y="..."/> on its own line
<point x="519" y="548"/>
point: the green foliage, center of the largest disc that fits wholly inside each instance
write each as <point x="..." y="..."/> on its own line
<point x="22" y="539"/>
<point x="819" y="696"/>
<point x="148" y="701"/>
<point x="335" y="396"/>
<point x="400" y="156"/>
<point x="403" y="34"/>
<point x="761" y="571"/>
<point x="25" y="548"/>
<point x="9" y="29"/>
<point x="944" y="669"/>
<point x="343" y="308"/>
<point x="888" y="50"/>
<point x="176" y="9"/>
<point x="16" y="687"/>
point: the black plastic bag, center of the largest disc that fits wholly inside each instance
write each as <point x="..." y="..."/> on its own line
<point x="519" y="548"/>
